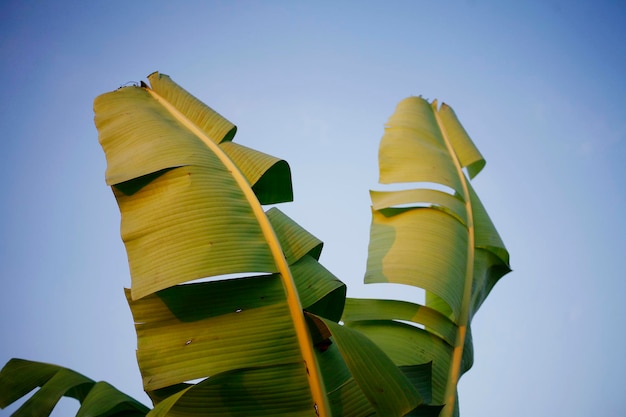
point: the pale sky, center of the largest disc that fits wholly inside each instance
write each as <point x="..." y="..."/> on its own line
<point x="538" y="85"/>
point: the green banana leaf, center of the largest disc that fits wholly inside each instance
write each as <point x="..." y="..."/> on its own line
<point x="189" y="212"/>
<point x="428" y="237"/>
<point x="361" y="381"/>
<point x="190" y="201"/>
<point x="97" y="399"/>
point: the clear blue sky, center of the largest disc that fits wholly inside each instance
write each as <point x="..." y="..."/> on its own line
<point x="539" y="85"/>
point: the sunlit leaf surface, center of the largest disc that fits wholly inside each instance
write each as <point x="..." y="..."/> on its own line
<point x="437" y="237"/>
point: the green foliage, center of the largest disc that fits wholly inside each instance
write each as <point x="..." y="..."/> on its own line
<point x="268" y="330"/>
<point x="97" y="399"/>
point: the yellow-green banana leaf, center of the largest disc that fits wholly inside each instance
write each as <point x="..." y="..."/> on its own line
<point x="426" y="236"/>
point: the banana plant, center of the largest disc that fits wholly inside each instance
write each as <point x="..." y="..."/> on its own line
<point x="234" y="314"/>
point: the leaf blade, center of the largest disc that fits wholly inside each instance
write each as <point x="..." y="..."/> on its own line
<point x="188" y="116"/>
<point x="439" y="241"/>
<point x="19" y="377"/>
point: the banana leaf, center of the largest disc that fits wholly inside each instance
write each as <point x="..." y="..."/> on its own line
<point x="97" y="399"/>
<point x="189" y="212"/>
<point x="435" y="235"/>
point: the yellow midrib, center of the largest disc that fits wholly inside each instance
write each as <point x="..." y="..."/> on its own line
<point x="316" y="382"/>
<point x="459" y="340"/>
